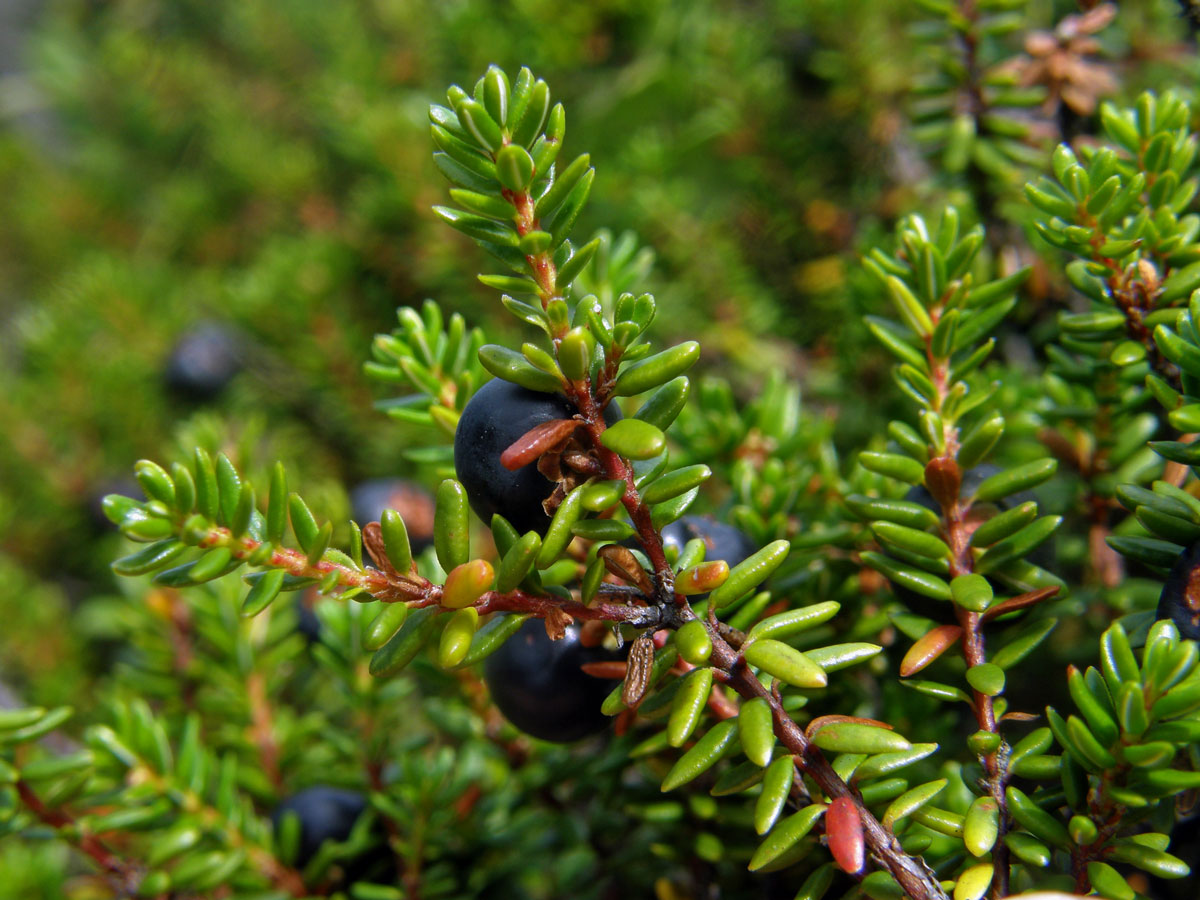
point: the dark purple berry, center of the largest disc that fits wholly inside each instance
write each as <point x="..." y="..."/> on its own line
<point x="1180" y="597"/>
<point x="203" y="363"/>
<point x="721" y="541"/>
<point x="499" y="414"/>
<point x="539" y="686"/>
<point x="369" y="499"/>
<point x="307" y="621"/>
<point x="325" y="814"/>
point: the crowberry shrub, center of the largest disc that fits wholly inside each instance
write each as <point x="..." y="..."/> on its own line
<point x="850" y="653"/>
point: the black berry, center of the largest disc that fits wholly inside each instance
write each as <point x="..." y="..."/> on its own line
<point x="539" y="686"/>
<point x="1180" y="597"/>
<point x="369" y="499"/>
<point x="203" y="363"/>
<point x="325" y="814"/>
<point x="721" y="541"/>
<point x="307" y="621"/>
<point x="499" y="414"/>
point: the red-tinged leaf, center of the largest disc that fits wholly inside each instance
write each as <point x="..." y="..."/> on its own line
<point x="465" y="584"/>
<point x="1014" y="603"/>
<point x="943" y="479"/>
<point x="1019" y="717"/>
<point x="844" y="831"/>
<point x="821" y="721"/>
<point x="929" y="647"/>
<point x="702" y="578"/>
<point x="536" y="441"/>
<point x="610" y="669"/>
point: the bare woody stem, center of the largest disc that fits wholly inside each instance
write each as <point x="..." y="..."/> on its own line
<point x="262" y="727"/>
<point x="995" y="763"/>
<point x="296" y="563"/>
<point x="973" y="102"/>
<point x="419" y="592"/>
<point x="519" y="601"/>
<point x="639" y="512"/>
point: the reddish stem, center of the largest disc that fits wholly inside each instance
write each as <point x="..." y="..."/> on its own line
<point x="918" y="882"/>
<point x="126" y="876"/>
<point x="958" y="538"/>
<point x="261" y="728"/>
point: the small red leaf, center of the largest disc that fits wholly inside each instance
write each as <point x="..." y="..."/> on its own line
<point x="843" y="830"/>
<point x="537" y="440"/>
<point x="929" y="647"/>
<point x="821" y="721"/>
<point x="611" y="669"/>
<point x="1020" y="602"/>
<point x="943" y="479"/>
<point x="1019" y="717"/>
<point x="702" y="578"/>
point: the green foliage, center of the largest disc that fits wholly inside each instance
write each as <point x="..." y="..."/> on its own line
<point x="866" y="691"/>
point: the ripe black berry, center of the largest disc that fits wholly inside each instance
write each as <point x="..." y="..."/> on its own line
<point x="721" y="541"/>
<point x="369" y="499"/>
<point x="307" y="621"/>
<point x="1180" y="597"/>
<point x="499" y="414"/>
<point x="325" y="814"/>
<point x="203" y="363"/>
<point x="538" y="684"/>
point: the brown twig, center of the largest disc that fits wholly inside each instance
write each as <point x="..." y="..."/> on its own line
<point x="943" y="471"/>
<point x="672" y="610"/>
<point x="126" y="876"/>
<point x="584" y="397"/>
<point x="918" y="882"/>
<point x="261" y="728"/>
